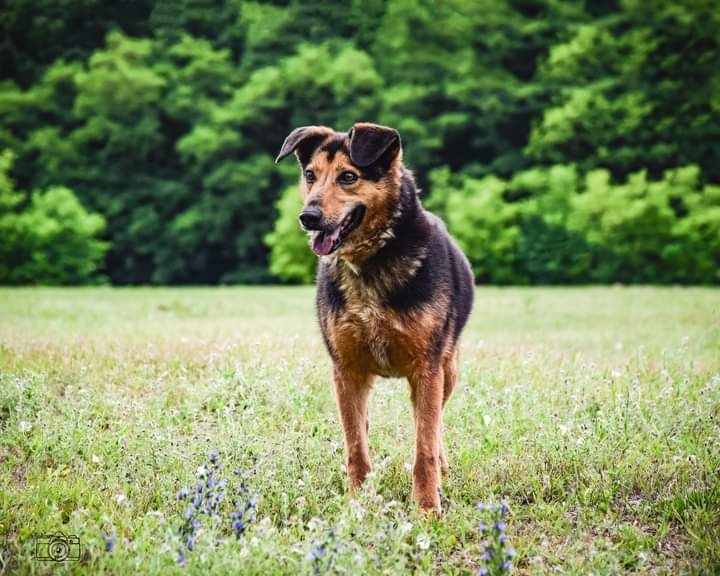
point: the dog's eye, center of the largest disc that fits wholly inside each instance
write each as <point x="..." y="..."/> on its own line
<point x="347" y="178"/>
<point x="309" y="176"/>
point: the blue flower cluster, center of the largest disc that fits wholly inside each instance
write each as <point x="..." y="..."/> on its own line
<point x="206" y="499"/>
<point x="245" y="507"/>
<point x="497" y="556"/>
<point x="323" y="552"/>
<point x="109" y="540"/>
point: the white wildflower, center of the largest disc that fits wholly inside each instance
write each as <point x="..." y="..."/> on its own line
<point x="357" y="509"/>
<point x="157" y="514"/>
<point x="405" y="528"/>
<point x="315" y="523"/>
<point x="423" y="541"/>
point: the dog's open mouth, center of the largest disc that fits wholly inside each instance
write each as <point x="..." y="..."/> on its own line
<point x="326" y="241"/>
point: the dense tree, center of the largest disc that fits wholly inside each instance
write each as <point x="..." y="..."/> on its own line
<point x="47" y="238"/>
<point x="164" y="117"/>
<point x="636" y="89"/>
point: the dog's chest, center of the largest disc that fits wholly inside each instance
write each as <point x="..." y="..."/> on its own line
<point x="375" y="332"/>
<point x="370" y="332"/>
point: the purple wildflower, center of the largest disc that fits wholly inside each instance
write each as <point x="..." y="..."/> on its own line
<point x="206" y="499"/>
<point x="323" y="552"/>
<point x="239" y="527"/>
<point x="109" y="540"/>
<point x="497" y="554"/>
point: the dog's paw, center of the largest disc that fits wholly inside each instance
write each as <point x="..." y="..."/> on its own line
<point x="428" y="501"/>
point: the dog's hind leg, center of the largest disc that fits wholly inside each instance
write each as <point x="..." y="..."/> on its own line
<point x="351" y="393"/>
<point x="449" y="379"/>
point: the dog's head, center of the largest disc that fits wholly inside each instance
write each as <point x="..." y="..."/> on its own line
<point x="350" y="182"/>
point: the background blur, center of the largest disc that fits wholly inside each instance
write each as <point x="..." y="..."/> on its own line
<point x="562" y="141"/>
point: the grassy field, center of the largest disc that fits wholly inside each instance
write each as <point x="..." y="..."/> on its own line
<point x="594" y="411"/>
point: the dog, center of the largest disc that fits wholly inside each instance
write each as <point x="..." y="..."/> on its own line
<point x="394" y="291"/>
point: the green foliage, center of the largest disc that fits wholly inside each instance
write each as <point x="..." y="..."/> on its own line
<point x="61" y="244"/>
<point x="549" y="252"/>
<point x="486" y="227"/>
<point x="546" y="226"/>
<point x="164" y="117"/>
<point x="51" y="239"/>
<point x="636" y="89"/>
<point x="290" y="256"/>
<point x="650" y="231"/>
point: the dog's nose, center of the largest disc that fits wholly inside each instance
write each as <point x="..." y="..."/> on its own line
<point x="310" y="218"/>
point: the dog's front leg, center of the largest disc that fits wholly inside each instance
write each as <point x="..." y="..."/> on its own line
<point x="427" y="397"/>
<point x="351" y="393"/>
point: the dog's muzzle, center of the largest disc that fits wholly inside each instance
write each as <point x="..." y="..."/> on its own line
<point x="326" y="235"/>
<point x="311" y="218"/>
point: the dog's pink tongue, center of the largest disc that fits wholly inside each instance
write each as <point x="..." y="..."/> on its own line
<point x="323" y="242"/>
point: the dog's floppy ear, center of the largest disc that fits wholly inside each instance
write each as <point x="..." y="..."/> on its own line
<point x="303" y="141"/>
<point x="368" y="143"/>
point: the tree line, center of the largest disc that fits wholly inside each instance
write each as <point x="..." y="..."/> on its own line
<point x="562" y="141"/>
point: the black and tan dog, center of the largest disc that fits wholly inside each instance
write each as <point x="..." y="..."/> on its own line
<point x="393" y="289"/>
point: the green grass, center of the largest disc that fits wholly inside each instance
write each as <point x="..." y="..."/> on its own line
<point x="594" y="411"/>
